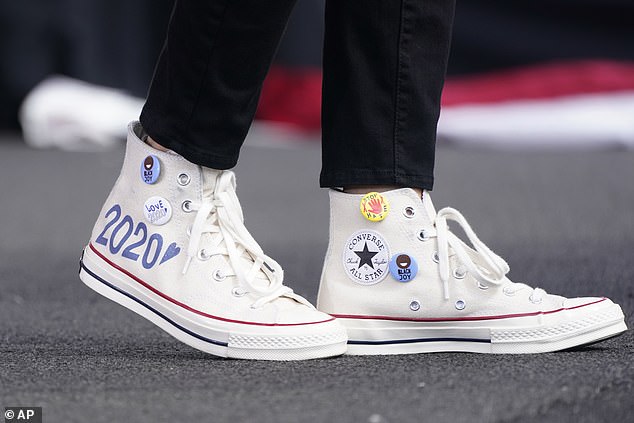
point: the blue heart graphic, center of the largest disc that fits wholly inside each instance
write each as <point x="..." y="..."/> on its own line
<point x="172" y="251"/>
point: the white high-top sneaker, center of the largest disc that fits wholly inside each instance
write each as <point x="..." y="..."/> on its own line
<point x="170" y="244"/>
<point x="401" y="282"/>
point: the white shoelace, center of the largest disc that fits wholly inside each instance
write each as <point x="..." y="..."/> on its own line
<point x="494" y="270"/>
<point x="222" y="217"/>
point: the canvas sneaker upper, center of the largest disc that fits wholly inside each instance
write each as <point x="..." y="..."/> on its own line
<point x="175" y="232"/>
<point x="393" y="258"/>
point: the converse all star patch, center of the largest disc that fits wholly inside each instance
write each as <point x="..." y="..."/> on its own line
<point x="366" y="257"/>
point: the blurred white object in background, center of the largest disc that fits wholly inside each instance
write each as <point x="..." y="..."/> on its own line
<point x="74" y="115"/>
<point x="589" y="121"/>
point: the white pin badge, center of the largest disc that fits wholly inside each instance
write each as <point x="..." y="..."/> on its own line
<point x="366" y="257"/>
<point x="157" y="210"/>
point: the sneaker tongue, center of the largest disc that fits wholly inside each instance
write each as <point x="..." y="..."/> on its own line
<point x="209" y="183"/>
<point x="209" y="178"/>
<point x="429" y="206"/>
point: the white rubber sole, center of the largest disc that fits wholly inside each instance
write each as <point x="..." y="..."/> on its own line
<point x="223" y="339"/>
<point x="540" y="333"/>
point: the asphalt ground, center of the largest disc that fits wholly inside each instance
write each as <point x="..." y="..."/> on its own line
<point x="564" y="221"/>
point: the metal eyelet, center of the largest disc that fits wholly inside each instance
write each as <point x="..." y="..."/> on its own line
<point x="183" y="179"/>
<point x="483" y="286"/>
<point x="422" y="235"/>
<point x="409" y="212"/>
<point x="186" y="206"/>
<point x="459" y="273"/>
<point x="435" y="257"/>
<point x="414" y="305"/>
<point x="203" y="255"/>
<point x="460" y="305"/>
<point x="238" y="292"/>
<point x="532" y="300"/>
<point x="219" y="275"/>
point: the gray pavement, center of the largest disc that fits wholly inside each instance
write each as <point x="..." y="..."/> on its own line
<point x="564" y="221"/>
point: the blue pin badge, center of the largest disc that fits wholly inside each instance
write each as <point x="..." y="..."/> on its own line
<point x="403" y="267"/>
<point x="150" y="169"/>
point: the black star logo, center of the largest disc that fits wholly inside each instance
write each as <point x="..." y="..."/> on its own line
<point x="365" y="256"/>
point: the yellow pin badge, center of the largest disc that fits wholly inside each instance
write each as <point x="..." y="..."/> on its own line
<point x="374" y="206"/>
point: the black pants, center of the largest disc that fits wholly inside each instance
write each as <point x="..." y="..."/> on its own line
<point x="384" y="67"/>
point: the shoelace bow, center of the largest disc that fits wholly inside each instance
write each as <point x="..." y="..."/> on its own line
<point x="495" y="267"/>
<point x="222" y="215"/>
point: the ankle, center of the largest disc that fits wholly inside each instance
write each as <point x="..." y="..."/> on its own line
<point x="149" y="141"/>
<point x="363" y="189"/>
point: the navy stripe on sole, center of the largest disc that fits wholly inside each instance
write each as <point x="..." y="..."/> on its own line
<point x="158" y="313"/>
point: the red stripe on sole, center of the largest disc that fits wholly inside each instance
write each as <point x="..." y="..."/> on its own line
<point x="459" y="319"/>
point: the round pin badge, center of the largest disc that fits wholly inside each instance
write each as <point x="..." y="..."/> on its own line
<point x="157" y="210"/>
<point x="150" y="169"/>
<point x="403" y="267"/>
<point x="366" y="257"/>
<point x="374" y="206"/>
